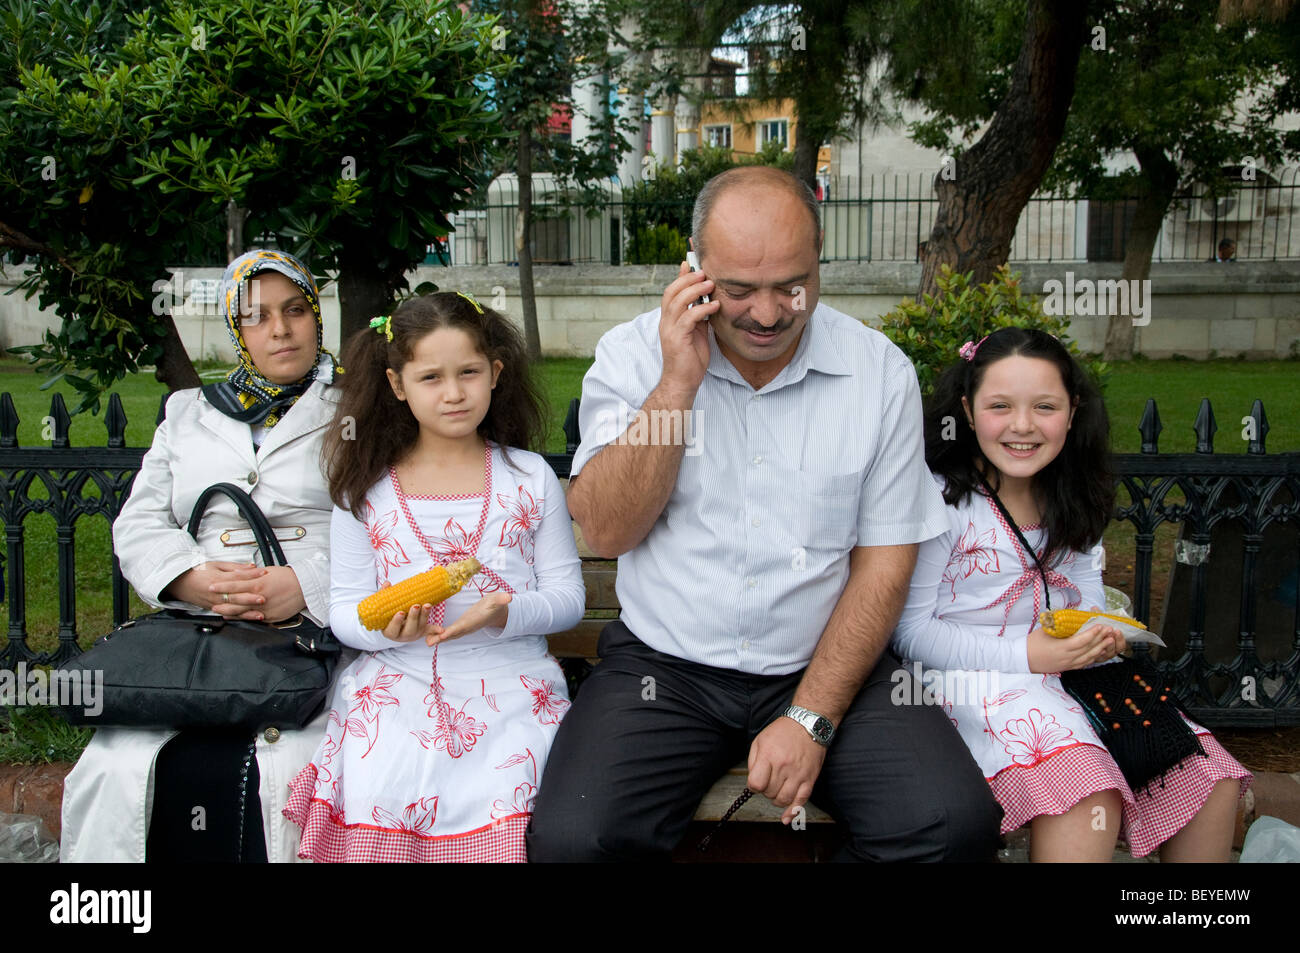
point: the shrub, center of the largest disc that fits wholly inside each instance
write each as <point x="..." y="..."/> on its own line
<point x="932" y="331"/>
<point x="660" y="245"/>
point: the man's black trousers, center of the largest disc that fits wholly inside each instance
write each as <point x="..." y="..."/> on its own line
<point x="650" y="733"/>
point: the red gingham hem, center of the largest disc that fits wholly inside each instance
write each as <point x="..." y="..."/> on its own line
<point x="1066" y="777"/>
<point x="325" y="839"/>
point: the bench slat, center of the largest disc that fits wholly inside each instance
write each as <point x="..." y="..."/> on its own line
<point x="758" y="808"/>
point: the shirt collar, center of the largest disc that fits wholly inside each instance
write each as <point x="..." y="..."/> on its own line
<point x="814" y="352"/>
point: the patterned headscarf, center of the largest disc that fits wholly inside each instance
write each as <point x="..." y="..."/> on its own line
<point x="245" y="394"/>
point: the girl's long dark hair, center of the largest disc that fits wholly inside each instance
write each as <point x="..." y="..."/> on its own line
<point x="372" y="429"/>
<point x="1078" y="486"/>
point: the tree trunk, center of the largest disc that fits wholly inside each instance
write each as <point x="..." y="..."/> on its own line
<point x="365" y="291"/>
<point x="982" y="194"/>
<point x="523" y="253"/>
<point x="174" y="368"/>
<point x="1159" y="182"/>
<point x="235" y="217"/>
<point x="807" y="141"/>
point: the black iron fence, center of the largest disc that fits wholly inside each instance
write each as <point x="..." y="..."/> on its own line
<point x="882" y="217"/>
<point x="1218" y="667"/>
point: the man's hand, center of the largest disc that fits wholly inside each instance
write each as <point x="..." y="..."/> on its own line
<point x="684" y="332"/>
<point x="784" y="763"/>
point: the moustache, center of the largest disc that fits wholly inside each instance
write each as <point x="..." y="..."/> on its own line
<point x="742" y="325"/>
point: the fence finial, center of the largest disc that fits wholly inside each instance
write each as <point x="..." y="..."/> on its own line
<point x="1150" y="427"/>
<point x="115" y="421"/>
<point x="62" y="423"/>
<point x="8" y="421"/>
<point x="1256" y="445"/>
<point x="1205" y="427"/>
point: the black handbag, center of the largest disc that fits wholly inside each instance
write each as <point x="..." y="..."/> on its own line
<point x="174" y="669"/>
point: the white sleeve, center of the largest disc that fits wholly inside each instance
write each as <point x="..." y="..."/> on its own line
<point x="921" y="636"/>
<point x="352" y="578"/>
<point x="610" y="394"/>
<point x="152" y="547"/>
<point x="560" y="598"/>
<point x="1086" y="574"/>
<point x="900" y="502"/>
<point x="314" y="580"/>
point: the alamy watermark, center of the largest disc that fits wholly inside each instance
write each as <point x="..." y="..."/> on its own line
<point x="22" y="687"/>
<point x="1103" y="297"/>
<point x="934" y="687"/>
<point x="653" y="428"/>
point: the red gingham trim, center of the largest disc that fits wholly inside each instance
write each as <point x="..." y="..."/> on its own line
<point x="1063" y="779"/>
<point x="325" y="839"/>
<point x="440" y="610"/>
<point x="1056" y="784"/>
<point x="1175" y="799"/>
<point x="1029" y="577"/>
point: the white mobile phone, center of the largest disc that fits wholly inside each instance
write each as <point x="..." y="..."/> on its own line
<point x="694" y="264"/>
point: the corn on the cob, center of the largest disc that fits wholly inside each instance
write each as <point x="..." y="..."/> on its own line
<point x="437" y="585"/>
<point x="1063" y="623"/>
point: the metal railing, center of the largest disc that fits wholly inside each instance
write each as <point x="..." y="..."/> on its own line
<point x="886" y="217"/>
<point x="1252" y="491"/>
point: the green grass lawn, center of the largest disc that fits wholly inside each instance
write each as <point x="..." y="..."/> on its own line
<point x="1178" y="387"/>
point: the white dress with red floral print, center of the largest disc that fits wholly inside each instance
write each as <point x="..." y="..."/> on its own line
<point x="975" y="597"/>
<point x="434" y="754"/>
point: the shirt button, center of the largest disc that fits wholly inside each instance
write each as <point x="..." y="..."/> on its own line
<point x="252" y="478"/>
<point x="272" y="735"/>
<point x="754" y="521"/>
<point x="745" y="644"/>
<point x="757" y="459"/>
<point x="751" y="582"/>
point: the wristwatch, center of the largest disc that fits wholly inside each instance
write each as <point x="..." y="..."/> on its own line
<point x="820" y="728"/>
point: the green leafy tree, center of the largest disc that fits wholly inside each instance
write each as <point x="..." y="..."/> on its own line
<point x="1167" y="88"/>
<point x="348" y="130"/>
<point x="973" y="59"/>
<point x="1006" y="64"/>
<point x="814" y="53"/>
<point x="555" y="44"/>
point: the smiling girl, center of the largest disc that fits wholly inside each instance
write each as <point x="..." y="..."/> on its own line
<point x="1017" y="437"/>
<point x="439" y="731"/>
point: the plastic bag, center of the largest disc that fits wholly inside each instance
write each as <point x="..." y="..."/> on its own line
<point x="1271" y="840"/>
<point x="24" y="840"/>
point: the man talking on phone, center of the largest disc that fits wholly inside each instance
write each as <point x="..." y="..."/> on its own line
<point x="761" y="574"/>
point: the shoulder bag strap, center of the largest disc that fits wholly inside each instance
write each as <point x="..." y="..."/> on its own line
<point x="252" y="514"/>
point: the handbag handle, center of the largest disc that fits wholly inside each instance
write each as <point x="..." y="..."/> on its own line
<point x="252" y="514"/>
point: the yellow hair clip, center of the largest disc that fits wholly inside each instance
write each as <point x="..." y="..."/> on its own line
<point x="477" y="307"/>
<point x="384" y="325"/>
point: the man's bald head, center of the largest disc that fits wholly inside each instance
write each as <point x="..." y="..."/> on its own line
<point x="752" y="177"/>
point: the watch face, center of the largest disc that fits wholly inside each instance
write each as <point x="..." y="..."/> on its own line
<point x="823" y="729"/>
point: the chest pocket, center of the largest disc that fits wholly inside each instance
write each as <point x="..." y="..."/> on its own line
<point x="827" y="508"/>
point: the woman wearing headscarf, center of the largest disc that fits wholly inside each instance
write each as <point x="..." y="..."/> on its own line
<point x="218" y="794"/>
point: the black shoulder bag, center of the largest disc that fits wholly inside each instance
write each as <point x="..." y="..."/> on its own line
<point x="174" y="669"/>
<point x="1134" y="712"/>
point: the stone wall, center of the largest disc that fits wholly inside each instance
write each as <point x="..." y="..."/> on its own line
<point x="1198" y="310"/>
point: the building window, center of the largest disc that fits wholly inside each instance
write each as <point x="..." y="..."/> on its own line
<point x="718" y="136"/>
<point x="777" y="130"/>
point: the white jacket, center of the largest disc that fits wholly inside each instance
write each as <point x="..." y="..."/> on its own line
<point x="108" y="796"/>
